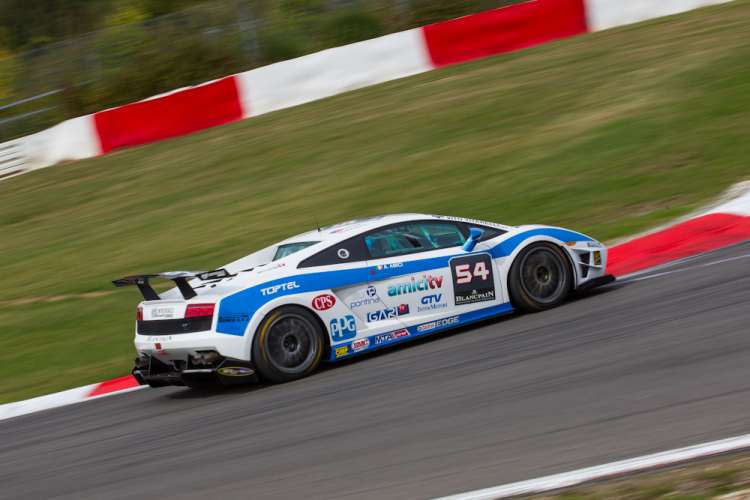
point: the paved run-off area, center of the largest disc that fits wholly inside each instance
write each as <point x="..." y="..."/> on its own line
<point x="634" y="368"/>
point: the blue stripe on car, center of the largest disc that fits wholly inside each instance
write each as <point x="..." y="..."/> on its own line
<point x="248" y="301"/>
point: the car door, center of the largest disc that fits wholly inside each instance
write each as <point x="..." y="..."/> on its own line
<point x="419" y="272"/>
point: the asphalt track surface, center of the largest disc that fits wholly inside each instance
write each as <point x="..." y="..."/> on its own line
<point x="634" y="368"/>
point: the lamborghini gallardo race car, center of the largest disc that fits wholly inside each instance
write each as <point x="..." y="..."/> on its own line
<point x="348" y="289"/>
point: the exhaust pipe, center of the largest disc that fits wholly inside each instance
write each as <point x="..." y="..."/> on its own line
<point x="205" y="358"/>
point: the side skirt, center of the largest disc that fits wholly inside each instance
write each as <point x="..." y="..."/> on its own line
<point x="369" y="344"/>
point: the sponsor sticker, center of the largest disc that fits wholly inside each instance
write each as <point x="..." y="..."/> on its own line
<point x="473" y="279"/>
<point x="212" y="275"/>
<point x="363" y="298"/>
<point x="235" y="371"/>
<point x="359" y="345"/>
<point x="162" y="312"/>
<point x="400" y="334"/>
<point x="415" y="284"/>
<point x="272" y="268"/>
<point x="597" y="258"/>
<point x="323" y="302"/>
<point x="394" y="265"/>
<point x="343" y="328"/>
<point x="284" y="286"/>
<point x="391" y="336"/>
<point x="161" y="338"/>
<point x="471" y="221"/>
<point x="342" y="351"/>
<point x="437" y="324"/>
<point x="389" y="313"/>
<point x="234" y="318"/>
<point x="432" y="303"/>
<point x="343" y="253"/>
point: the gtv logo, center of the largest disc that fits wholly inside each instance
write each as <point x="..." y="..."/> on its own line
<point x="343" y="328"/>
<point x="431" y="299"/>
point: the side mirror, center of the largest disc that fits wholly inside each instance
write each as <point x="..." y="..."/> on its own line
<point x="474" y="236"/>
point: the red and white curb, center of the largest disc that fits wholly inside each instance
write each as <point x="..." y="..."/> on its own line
<point x="64" y="398"/>
<point x="608" y="471"/>
<point x="712" y="228"/>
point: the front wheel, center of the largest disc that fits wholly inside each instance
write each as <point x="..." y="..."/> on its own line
<point x="288" y="345"/>
<point x="539" y="278"/>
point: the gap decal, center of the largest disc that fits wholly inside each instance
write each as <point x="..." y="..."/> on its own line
<point x="473" y="278"/>
<point x="390" y="313"/>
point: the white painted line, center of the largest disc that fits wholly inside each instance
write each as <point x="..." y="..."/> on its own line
<point x="640" y="464"/>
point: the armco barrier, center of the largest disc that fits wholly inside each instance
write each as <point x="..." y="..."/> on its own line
<point x="334" y="71"/>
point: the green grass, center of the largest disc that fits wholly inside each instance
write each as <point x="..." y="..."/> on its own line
<point x="699" y="481"/>
<point x="608" y="134"/>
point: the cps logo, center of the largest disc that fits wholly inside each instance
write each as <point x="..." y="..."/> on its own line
<point x="323" y="302"/>
<point x="343" y="328"/>
<point x="432" y="299"/>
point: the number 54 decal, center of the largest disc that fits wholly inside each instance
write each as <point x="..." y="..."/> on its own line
<point x="473" y="279"/>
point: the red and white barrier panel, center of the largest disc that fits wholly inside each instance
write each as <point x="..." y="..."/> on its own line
<point x="331" y="72"/>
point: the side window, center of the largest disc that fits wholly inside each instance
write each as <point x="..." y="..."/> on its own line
<point x="413" y="238"/>
<point x="352" y="250"/>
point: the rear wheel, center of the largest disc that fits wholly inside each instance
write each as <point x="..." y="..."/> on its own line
<point x="288" y="345"/>
<point x="539" y="278"/>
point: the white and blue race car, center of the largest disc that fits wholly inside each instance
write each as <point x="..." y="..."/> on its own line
<point x="348" y="289"/>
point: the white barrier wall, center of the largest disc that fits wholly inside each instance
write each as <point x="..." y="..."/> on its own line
<point x="74" y="139"/>
<point x="333" y="71"/>
<point x="12" y="157"/>
<point x="605" y="14"/>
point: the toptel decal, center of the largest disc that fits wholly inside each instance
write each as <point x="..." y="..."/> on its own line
<point x="415" y="285"/>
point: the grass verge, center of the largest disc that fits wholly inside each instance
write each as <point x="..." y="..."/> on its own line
<point x="608" y="134"/>
<point x="691" y="482"/>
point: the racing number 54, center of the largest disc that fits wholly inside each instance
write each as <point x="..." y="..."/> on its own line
<point x="463" y="275"/>
<point x="472" y="278"/>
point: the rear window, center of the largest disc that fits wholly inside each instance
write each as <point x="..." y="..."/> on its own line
<point x="289" y="249"/>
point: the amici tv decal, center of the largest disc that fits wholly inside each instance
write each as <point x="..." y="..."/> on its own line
<point x="415" y="285"/>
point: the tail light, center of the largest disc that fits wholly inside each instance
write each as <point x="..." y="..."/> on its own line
<point x="139" y="317"/>
<point x="198" y="310"/>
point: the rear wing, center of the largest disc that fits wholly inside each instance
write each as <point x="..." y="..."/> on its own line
<point x="179" y="277"/>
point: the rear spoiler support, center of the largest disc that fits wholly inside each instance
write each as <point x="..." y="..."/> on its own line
<point x="179" y="277"/>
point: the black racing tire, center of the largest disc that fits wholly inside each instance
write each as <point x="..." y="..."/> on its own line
<point x="288" y="345"/>
<point x="539" y="278"/>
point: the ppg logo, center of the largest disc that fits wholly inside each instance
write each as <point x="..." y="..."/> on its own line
<point x="343" y="328"/>
<point x="432" y="299"/>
